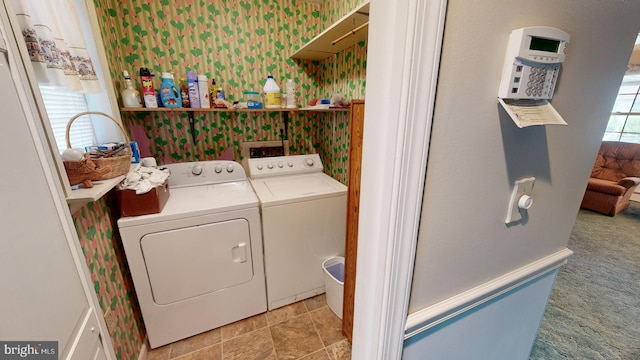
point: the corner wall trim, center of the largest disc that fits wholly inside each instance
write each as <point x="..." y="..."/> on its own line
<point x="144" y="350"/>
<point x="438" y="313"/>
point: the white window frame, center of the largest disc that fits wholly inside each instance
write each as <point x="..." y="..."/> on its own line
<point x="105" y="101"/>
<point x="630" y="87"/>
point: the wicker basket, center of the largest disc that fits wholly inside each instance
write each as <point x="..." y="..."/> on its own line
<point x="120" y="165"/>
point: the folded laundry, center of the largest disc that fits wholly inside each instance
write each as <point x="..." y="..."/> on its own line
<point x="142" y="179"/>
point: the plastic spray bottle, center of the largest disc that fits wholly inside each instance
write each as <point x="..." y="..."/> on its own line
<point x="148" y="90"/>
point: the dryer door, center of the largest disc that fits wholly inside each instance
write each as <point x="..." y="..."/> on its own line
<point x="188" y="262"/>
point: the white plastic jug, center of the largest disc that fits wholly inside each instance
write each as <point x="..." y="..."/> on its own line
<point x="271" y="94"/>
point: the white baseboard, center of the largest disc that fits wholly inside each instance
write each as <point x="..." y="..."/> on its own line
<point x="635" y="196"/>
<point x="144" y="350"/>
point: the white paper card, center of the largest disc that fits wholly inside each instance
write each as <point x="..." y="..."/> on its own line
<point x="532" y="112"/>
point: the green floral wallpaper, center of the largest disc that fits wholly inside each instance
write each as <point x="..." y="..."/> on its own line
<point x="107" y="264"/>
<point x="238" y="43"/>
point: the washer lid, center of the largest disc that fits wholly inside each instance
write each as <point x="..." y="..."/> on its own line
<point x="295" y="188"/>
<point x="199" y="200"/>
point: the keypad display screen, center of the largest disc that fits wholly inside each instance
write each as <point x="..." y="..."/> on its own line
<point x="541" y="44"/>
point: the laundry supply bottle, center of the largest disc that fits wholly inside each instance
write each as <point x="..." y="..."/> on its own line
<point x="158" y="99"/>
<point x="213" y="89"/>
<point x="194" y="89"/>
<point x="184" y="92"/>
<point x="130" y="96"/>
<point x="169" y="92"/>
<point x="203" y="88"/>
<point x="271" y="94"/>
<point x="291" y="94"/>
<point x="148" y="90"/>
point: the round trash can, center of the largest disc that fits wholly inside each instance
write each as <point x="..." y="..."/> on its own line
<point x="334" y="283"/>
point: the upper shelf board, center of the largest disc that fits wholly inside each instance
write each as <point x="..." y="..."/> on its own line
<point x="320" y="48"/>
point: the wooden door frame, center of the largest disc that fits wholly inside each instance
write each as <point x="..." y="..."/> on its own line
<point x="356" y="127"/>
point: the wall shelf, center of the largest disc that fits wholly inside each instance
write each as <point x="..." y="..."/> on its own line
<point x="81" y="196"/>
<point x="192" y="124"/>
<point x="181" y="109"/>
<point x="191" y="110"/>
<point x="321" y="47"/>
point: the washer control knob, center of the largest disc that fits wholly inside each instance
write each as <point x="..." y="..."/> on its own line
<point x="230" y="168"/>
<point x="270" y="166"/>
<point x="309" y="162"/>
<point x="280" y="165"/>
<point x="218" y="169"/>
<point x="196" y="170"/>
<point x="259" y="166"/>
<point x="290" y="164"/>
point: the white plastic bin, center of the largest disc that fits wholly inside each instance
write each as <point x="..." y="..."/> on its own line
<point x="334" y="283"/>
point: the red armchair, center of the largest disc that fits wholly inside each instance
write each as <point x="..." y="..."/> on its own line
<point x="614" y="177"/>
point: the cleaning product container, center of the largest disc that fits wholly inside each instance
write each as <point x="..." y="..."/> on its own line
<point x="193" y="89"/>
<point x="271" y="94"/>
<point x="184" y="92"/>
<point x="148" y="90"/>
<point x="253" y="100"/>
<point x="130" y="96"/>
<point x="203" y="88"/>
<point x="291" y="94"/>
<point x="334" y="283"/>
<point x="169" y="92"/>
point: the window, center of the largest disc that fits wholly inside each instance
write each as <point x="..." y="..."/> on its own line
<point x="62" y="104"/>
<point x="624" y="123"/>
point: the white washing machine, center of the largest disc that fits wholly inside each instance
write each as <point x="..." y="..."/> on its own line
<point x="198" y="264"/>
<point x="303" y="223"/>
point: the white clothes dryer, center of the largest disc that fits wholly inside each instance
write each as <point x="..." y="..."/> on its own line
<point x="198" y="264"/>
<point x="303" y="223"/>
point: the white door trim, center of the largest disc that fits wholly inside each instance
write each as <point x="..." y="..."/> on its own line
<point x="403" y="58"/>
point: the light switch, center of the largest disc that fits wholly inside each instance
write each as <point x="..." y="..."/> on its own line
<point x="521" y="199"/>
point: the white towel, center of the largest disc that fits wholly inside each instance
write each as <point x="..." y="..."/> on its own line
<point x="142" y="179"/>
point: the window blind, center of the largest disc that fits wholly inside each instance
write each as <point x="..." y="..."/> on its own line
<point x="62" y="104"/>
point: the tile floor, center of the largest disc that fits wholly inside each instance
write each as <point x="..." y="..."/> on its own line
<point x="306" y="330"/>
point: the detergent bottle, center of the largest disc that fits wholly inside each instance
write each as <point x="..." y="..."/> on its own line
<point x="169" y="92"/>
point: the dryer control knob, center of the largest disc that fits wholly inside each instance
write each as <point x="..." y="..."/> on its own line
<point x="280" y="165"/>
<point x="290" y="164"/>
<point x="309" y="162"/>
<point x="218" y="169"/>
<point x="259" y="166"/>
<point x="230" y="168"/>
<point x="270" y="166"/>
<point x="196" y="170"/>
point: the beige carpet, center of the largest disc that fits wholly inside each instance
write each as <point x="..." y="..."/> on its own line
<point x="594" y="310"/>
